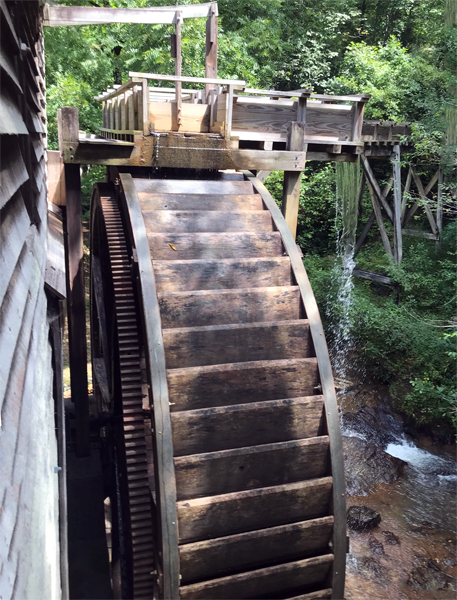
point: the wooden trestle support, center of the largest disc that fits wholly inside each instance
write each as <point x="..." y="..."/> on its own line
<point x="208" y="346"/>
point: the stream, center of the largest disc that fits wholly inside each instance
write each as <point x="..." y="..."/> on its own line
<point x="411" y="554"/>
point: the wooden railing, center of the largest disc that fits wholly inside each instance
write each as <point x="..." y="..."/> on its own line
<point x="231" y="110"/>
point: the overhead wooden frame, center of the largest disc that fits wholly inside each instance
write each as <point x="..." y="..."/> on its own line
<point x="58" y="16"/>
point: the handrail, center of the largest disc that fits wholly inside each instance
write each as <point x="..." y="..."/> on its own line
<point x="160" y="407"/>
<point x="328" y="387"/>
<point x="184" y="79"/>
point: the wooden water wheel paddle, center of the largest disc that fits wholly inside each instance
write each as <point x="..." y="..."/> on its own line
<point x="210" y="353"/>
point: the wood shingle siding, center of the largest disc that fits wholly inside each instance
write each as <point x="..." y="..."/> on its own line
<point x="29" y="503"/>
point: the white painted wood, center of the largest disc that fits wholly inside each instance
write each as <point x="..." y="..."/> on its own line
<point x="57" y="16"/>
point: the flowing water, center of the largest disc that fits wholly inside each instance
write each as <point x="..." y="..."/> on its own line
<point x="411" y="554"/>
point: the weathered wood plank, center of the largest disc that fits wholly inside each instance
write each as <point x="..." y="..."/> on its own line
<point x="14" y="227"/>
<point x="398" y="246"/>
<point x="56" y="178"/>
<point x="22" y="292"/>
<point x="256" y="584"/>
<point x="379" y="219"/>
<point x="76" y="310"/>
<point x="373" y="185"/>
<point x="160" y="77"/>
<point x="206" y="221"/>
<point x="320" y="595"/>
<point x="13" y="172"/>
<point x="241" y="469"/>
<point x="191" y="186"/>
<point x="219" y="344"/>
<point x="292" y="179"/>
<point x="247" y="551"/>
<point x="161" y="422"/>
<point x="55" y="257"/>
<point x="237" y="383"/>
<point x="11" y="121"/>
<point x="187" y="246"/>
<point x="236" y="426"/>
<point x="373" y="276"/>
<point x="219" y="307"/>
<point x="421" y="234"/>
<point x="211" y="50"/>
<point x="239" y="512"/>
<point x="222" y="202"/>
<point x="163" y="116"/>
<point x="58" y="16"/>
<point x="222" y="273"/>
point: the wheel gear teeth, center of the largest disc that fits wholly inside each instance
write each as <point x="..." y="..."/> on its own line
<point x="143" y="563"/>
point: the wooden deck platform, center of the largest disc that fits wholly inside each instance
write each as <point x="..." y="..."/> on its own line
<point x="250" y="129"/>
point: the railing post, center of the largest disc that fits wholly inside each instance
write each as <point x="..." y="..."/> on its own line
<point x="178" y="68"/>
<point x="291" y="185"/>
<point x="211" y="51"/>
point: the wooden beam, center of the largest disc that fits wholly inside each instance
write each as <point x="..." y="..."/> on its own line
<point x="372" y="217"/>
<point x="421" y="234"/>
<point x="405" y="195"/>
<point x="439" y="207"/>
<point x="291" y="185"/>
<point x="374" y="186"/>
<point x="178" y="63"/>
<point x="238" y="83"/>
<point x="398" y="249"/>
<point x="68" y="122"/>
<point x="57" y="16"/>
<point x="55" y="309"/>
<point x="211" y="51"/>
<point x="357" y="120"/>
<point x="423" y="194"/>
<point x="144" y="107"/>
<point x="353" y="98"/>
<point x="277" y="94"/>
<point x="363" y="235"/>
<point x="377" y="277"/>
<point x="229" y="102"/>
<point x="378" y="215"/>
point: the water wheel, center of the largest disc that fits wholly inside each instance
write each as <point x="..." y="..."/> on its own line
<point x="209" y="355"/>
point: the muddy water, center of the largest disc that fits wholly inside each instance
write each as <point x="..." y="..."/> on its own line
<point x="411" y="554"/>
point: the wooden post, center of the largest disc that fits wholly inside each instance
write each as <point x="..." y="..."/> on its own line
<point x="439" y="207"/>
<point x="378" y="215"/>
<point x="68" y="123"/>
<point x="398" y="249"/>
<point x="55" y="310"/>
<point x="211" y="51"/>
<point x="291" y="185"/>
<point x="178" y="68"/>
<point x="144" y="107"/>
<point x="357" y="121"/>
<point x="228" y="124"/>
